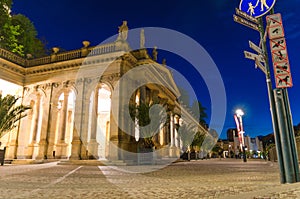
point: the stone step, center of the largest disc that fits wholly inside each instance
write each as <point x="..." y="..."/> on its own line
<point x="81" y="162"/>
<point x="31" y="161"/>
<point x="114" y="163"/>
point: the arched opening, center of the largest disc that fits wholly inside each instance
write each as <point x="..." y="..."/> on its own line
<point x="103" y="117"/>
<point x="64" y="124"/>
<point x="36" y="124"/>
<point x="99" y="122"/>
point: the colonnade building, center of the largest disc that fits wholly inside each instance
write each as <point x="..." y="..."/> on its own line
<point x="77" y="101"/>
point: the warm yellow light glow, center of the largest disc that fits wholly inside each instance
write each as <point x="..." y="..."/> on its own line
<point x="10" y="88"/>
<point x="104" y="101"/>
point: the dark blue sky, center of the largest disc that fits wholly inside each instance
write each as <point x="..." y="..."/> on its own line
<point x="66" y="23"/>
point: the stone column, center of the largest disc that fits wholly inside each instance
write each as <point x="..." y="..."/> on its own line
<point x="174" y="152"/>
<point x="86" y="96"/>
<point x="62" y="145"/>
<point x="93" y="144"/>
<point x="76" y="141"/>
<point x="114" y="141"/>
<point x="161" y="135"/>
<point x="36" y="118"/>
<point x="23" y="139"/>
<point x="46" y="122"/>
<point x="84" y="131"/>
<point x="64" y="112"/>
<point x="51" y="151"/>
<point x="33" y="147"/>
<point x="176" y="138"/>
<point x="172" y="130"/>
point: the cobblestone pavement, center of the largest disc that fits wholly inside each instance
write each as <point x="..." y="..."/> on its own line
<point x="228" y="178"/>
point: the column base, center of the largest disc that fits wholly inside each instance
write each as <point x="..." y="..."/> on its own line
<point x="84" y="152"/>
<point x="42" y="150"/>
<point x="33" y="150"/>
<point x="174" y="152"/>
<point x="10" y="151"/>
<point x="76" y="149"/>
<point x="93" y="148"/>
<point x="61" y="152"/>
<point x="51" y="151"/>
<point x="113" y="150"/>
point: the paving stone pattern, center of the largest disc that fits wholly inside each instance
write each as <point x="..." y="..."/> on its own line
<point x="226" y="178"/>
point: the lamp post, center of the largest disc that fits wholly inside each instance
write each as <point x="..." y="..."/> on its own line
<point x="239" y="123"/>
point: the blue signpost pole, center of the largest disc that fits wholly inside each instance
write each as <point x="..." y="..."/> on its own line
<point x="279" y="102"/>
<point x="272" y="104"/>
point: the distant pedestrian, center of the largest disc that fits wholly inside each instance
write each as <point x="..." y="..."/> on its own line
<point x="236" y="154"/>
<point x="220" y="153"/>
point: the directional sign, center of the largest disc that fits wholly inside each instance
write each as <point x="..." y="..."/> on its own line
<point x="259" y="65"/>
<point x="253" y="56"/>
<point x="255" y="47"/>
<point x="246" y="16"/>
<point x="245" y="22"/>
<point x="256" y="8"/>
<point x="275" y="26"/>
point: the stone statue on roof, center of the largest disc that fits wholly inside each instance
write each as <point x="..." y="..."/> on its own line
<point x="142" y="39"/>
<point x="123" y="31"/>
<point x="154" y="53"/>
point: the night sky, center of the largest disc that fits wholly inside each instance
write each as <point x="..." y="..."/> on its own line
<point x="66" y="23"/>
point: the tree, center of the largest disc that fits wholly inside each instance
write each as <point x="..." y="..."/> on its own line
<point x="200" y="112"/>
<point x="10" y="39"/>
<point x="187" y="132"/>
<point x="18" y="34"/>
<point x="198" y="139"/>
<point x="28" y="36"/>
<point x="10" y="113"/>
<point x="5" y="6"/>
<point x="150" y="118"/>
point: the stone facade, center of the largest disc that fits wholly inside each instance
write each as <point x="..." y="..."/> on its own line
<point x="72" y="95"/>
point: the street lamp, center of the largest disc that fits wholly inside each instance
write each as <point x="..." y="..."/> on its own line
<point x="239" y="123"/>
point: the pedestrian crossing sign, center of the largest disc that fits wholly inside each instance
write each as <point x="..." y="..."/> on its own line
<point x="256" y="8"/>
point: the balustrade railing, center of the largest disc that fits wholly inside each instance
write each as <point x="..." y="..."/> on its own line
<point x="74" y="54"/>
<point x="39" y="61"/>
<point x="12" y="57"/>
<point x="64" y="56"/>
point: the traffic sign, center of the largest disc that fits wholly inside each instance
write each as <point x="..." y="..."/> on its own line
<point x="256" y="8"/>
<point x="245" y="22"/>
<point x="282" y="68"/>
<point x="279" y="53"/>
<point x="274" y="19"/>
<point x="277" y="44"/>
<point x="283" y="81"/>
<point x="253" y="56"/>
<point x="275" y="26"/>
<point x="279" y="56"/>
<point x="255" y="47"/>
